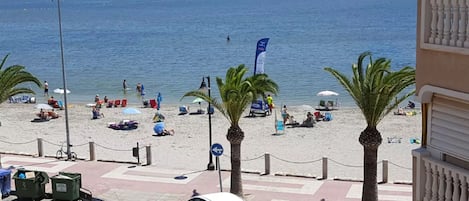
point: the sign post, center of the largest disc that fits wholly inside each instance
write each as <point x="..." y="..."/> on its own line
<point x="217" y="150"/>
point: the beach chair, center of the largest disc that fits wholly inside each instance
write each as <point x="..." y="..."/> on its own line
<point x="60" y="104"/>
<point x="153" y="103"/>
<point x="124" y="103"/>
<point x="318" y="116"/>
<point x="25" y="99"/>
<point x="183" y="110"/>
<point x="110" y="103"/>
<point x="279" y="127"/>
<point x="210" y="110"/>
<point x="327" y="116"/>
<point x="117" y="103"/>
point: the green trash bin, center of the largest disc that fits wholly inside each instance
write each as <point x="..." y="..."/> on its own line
<point x="66" y="186"/>
<point x="30" y="184"/>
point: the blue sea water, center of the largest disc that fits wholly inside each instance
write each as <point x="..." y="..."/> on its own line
<point x="169" y="45"/>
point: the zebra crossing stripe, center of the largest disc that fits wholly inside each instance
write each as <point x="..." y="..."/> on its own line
<point x="355" y="191"/>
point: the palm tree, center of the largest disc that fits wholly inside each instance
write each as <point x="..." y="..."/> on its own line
<point x="13" y="76"/>
<point x="374" y="86"/>
<point x="236" y="94"/>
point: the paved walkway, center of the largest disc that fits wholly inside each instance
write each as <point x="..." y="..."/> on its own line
<point x="126" y="182"/>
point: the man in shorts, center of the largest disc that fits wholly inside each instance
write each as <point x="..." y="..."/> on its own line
<point x="46" y="88"/>
<point x="270" y="102"/>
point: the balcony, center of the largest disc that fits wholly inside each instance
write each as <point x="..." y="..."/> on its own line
<point x="444" y="25"/>
<point x="438" y="180"/>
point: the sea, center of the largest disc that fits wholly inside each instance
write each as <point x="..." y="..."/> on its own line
<point x="169" y="46"/>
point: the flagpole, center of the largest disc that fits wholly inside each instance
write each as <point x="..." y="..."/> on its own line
<point x="67" y="131"/>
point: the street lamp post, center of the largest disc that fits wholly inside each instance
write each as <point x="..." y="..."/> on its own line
<point x="69" y="155"/>
<point x="203" y="86"/>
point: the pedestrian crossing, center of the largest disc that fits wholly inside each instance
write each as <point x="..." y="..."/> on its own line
<point x="278" y="184"/>
<point x="388" y="193"/>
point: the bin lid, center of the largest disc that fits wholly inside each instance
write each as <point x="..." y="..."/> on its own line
<point x="60" y="176"/>
<point x="42" y="177"/>
<point x="5" y="172"/>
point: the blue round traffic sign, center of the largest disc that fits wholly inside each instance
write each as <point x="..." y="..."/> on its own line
<point x="216" y="149"/>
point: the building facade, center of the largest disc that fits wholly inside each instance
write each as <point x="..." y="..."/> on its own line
<point x="441" y="165"/>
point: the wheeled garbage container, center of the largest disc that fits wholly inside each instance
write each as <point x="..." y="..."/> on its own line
<point x="66" y="186"/>
<point x="30" y="184"/>
<point x="5" y="182"/>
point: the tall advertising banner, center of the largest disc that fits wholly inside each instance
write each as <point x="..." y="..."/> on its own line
<point x="260" y="55"/>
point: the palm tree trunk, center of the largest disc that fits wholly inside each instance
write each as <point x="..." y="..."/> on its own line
<point x="236" y="182"/>
<point x="370" y="138"/>
<point x="235" y="136"/>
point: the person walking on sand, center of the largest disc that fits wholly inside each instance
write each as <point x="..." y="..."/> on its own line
<point x="270" y="102"/>
<point x="46" y="88"/>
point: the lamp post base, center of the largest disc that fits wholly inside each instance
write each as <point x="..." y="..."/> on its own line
<point x="210" y="166"/>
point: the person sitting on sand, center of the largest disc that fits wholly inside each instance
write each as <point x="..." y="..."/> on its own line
<point x="411" y="105"/>
<point x="53" y="114"/>
<point x="292" y="121"/>
<point x="52" y="102"/>
<point x="43" y="115"/>
<point x="160" y="129"/>
<point x="309" y="121"/>
<point x="96" y="113"/>
<point x="400" y="111"/>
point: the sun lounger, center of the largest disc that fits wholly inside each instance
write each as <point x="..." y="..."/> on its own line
<point x="117" y="103"/>
<point x="124" y="103"/>
<point x="153" y="103"/>
<point x="183" y="110"/>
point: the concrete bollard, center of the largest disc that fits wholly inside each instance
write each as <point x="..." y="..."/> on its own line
<point x="40" y="148"/>
<point x="148" y="149"/>
<point x="92" y="151"/>
<point x="324" y="167"/>
<point x="267" y="163"/>
<point x="385" y="171"/>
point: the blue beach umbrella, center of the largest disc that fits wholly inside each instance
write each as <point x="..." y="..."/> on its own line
<point x="131" y="110"/>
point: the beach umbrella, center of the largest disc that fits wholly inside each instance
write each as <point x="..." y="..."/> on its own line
<point x="130" y="110"/>
<point x="327" y="93"/>
<point x="198" y="100"/>
<point x="61" y="91"/>
<point x="43" y="106"/>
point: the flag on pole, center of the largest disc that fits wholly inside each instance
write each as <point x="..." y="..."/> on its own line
<point x="260" y="55"/>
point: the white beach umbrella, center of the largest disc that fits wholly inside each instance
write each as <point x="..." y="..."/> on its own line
<point x="327" y="93"/>
<point x="198" y="100"/>
<point x="43" y="106"/>
<point x="61" y="91"/>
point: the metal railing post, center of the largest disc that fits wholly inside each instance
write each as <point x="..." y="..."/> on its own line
<point x="148" y="149"/>
<point x="40" y="148"/>
<point x="324" y="167"/>
<point x="92" y="151"/>
<point x="267" y="163"/>
<point x="385" y="171"/>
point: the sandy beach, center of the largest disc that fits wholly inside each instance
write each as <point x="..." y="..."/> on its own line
<point x="298" y="151"/>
